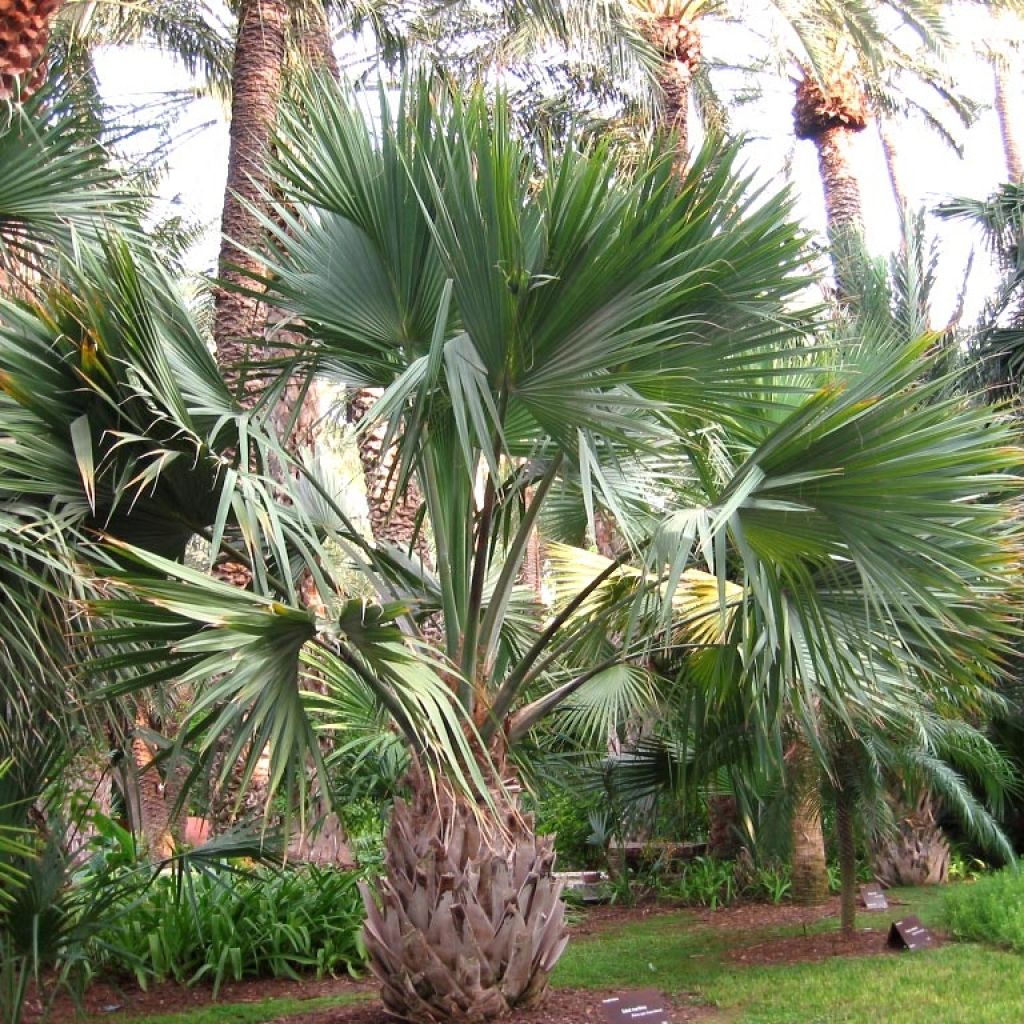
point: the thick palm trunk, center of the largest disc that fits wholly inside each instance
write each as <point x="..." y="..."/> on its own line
<point x="810" y="873"/>
<point x="917" y="854"/>
<point x="24" y="34"/>
<point x="256" y="90"/>
<point x="467" y="922"/>
<point x="723" y="826"/>
<point x="1006" y="109"/>
<point x="832" y="117"/>
<point x="843" y="203"/>
<point x="846" y="841"/>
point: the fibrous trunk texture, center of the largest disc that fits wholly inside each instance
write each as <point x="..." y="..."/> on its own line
<point x="810" y="874"/>
<point x="256" y="90"/>
<point x="159" y="816"/>
<point x="723" y="827"/>
<point x="24" y="34"/>
<point x="918" y="854"/>
<point x="843" y="206"/>
<point x="1007" y="105"/>
<point x="678" y="42"/>
<point x="846" y="841"/>
<point x="467" y="922"/>
<point x="832" y="118"/>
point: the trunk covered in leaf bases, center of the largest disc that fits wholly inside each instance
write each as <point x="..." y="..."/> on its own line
<point x="24" y="34"/>
<point x="810" y="874"/>
<point x="831" y="116"/>
<point x="677" y="40"/>
<point x="917" y="854"/>
<point x="467" y="922"/>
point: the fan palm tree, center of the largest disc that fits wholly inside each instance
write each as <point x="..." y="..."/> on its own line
<point x="538" y="328"/>
<point x="520" y="350"/>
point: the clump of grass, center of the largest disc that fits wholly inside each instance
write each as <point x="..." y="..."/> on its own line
<point x="989" y="910"/>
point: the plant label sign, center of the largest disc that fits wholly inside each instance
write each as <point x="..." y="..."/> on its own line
<point x="647" y="1006"/>
<point x="872" y="897"/>
<point x="909" y="933"/>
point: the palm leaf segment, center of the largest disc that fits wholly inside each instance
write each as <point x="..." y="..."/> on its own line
<point x="120" y="443"/>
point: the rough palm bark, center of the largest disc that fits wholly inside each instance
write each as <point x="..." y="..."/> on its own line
<point x="723" y="826"/>
<point x="257" y="78"/>
<point x="810" y="874"/>
<point x="676" y="38"/>
<point x="1006" y="104"/>
<point x="24" y="35"/>
<point x="831" y="116"/>
<point x="467" y="923"/>
<point x="157" y="799"/>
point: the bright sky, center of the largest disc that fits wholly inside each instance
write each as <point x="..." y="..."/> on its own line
<point x="930" y="171"/>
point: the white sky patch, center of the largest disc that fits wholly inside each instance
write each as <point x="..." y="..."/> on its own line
<point x="929" y="169"/>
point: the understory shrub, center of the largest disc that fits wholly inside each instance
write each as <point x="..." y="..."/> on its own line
<point x="225" y="925"/>
<point x="990" y="909"/>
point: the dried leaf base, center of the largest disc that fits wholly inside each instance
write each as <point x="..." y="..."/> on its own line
<point x="468" y="921"/>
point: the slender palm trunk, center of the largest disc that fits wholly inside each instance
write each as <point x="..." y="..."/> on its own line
<point x="846" y="841"/>
<point x="24" y="35"/>
<point x="1007" y="107"/>
<point x="810" y="874"/>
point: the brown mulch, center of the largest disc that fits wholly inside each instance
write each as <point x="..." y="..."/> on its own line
<point x="106" y="999"/>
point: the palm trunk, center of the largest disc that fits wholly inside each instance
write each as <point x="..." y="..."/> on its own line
<point x="157" y="821"/>
<point x="467" y="922"/>
<point x="677" y="40"/>
<point x="256" y="89"/>
<point x="24" y="35"/>
<point x="723" y="826"/>
<point x="847" y="859"/>
<point x="1006" y="110"/>
<point x="917" y="854"/>
<point x="810" y="873"/>
<point x="843" y="204"/>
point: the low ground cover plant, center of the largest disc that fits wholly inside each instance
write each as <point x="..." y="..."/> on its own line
<point x="228" y="926"/>
<point x="990" y="909"/>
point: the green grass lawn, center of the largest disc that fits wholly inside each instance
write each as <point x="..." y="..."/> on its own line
<point x="959" y="983"/>
<point x="956" y="984"/>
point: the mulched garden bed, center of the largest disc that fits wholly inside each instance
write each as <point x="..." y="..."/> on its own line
<point x="109" y="1001"/>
